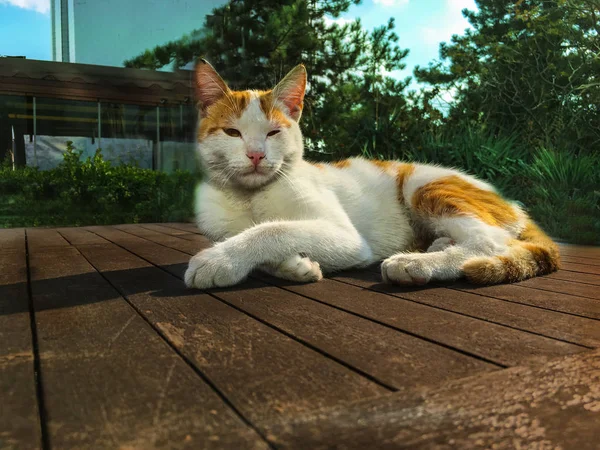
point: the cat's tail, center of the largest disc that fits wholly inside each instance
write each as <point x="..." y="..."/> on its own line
<point x="532" y="254"/>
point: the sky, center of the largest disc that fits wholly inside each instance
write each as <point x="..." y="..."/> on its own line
<point x="420" y="24"/>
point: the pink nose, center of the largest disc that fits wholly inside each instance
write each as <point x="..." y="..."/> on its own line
<point x="255" y="157"/>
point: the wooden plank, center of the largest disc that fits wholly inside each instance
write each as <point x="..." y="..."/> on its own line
<point x="264" y="373"/>
<point x="543" y="299"/>
<point x="576" y="277"/>
<point x="565" y="287"/>
<point x="497" y="343"/>
<point x="12" y="238"/>
<point x="580" y="260"/>
<point x="44" y="237"/>
<point x="579" y="251"/>
<point x="395" y="359"/>
<point x="163" y="229"/>
<point x="171" y="241"/>
<point x="582" y="268"/>
<point x="559" y="326"/>
<point x="544" y="406"/>
<point x="109" y="380"/>
<point x="77" y="236"/>
<point x="19" y="415"/>
<point x="535" y="320"/>
<point x="189" y="227"/>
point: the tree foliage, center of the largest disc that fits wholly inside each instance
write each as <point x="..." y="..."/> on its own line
<point x="255" y="42"/>
<point x="529" y="66"/>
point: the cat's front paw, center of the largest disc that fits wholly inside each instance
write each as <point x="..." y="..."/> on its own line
<point x="213" y="267"/>
<point x="297" y="268"/>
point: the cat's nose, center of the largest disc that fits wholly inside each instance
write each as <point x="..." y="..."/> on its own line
<point x="255" y="157"/>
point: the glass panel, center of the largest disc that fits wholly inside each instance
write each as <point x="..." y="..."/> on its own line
<point x="59" y="121"/>
<point x="129" y="133"/>
<point x="177" y="129"/>
<point x="16" y="128"/>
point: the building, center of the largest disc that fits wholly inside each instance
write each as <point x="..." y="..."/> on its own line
<point x="134" y="116"/>
<point x="108" y="32"/>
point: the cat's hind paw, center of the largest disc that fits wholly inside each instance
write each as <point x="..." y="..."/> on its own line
<point x="297" y="268"/>
<point x="407" y="269"/>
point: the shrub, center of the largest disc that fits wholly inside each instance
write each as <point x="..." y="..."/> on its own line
<point x="93" y="192"/>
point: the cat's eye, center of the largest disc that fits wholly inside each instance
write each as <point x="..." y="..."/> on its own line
<point x="273" y="132"/>
<point x="232" y="132"/>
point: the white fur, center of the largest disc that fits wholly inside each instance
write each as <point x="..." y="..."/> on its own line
<point x="336" y="218"/>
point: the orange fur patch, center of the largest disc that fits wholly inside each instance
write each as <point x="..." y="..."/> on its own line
<point x="403" y="172"/>
<point x="533" y="254"/>
<point x="220" y="114"/>
<point x="453" y="196"/>
<point x="341" y="164"/>
<point x="272" y="113"/>
<point x="383" y="165"/>
<point x="317" y="165"/>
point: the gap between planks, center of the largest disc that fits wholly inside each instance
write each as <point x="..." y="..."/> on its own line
<point x="370" y="318"/>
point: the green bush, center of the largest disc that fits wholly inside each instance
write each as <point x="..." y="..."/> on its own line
<point x="92" y="192"/>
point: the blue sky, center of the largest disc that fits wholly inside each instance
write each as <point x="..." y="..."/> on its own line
<point x="421" y="25"/>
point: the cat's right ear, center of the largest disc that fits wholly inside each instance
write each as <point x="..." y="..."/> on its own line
<point x="210" y="87"/>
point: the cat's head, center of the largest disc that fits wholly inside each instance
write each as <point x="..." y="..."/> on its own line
<point x="247" y="138"/>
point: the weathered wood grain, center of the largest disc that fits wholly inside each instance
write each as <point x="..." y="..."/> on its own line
<point x="78" y="236"/>
<point x="19" y="415"/>
<point x="12" y="239"/>
<point x="565" y="287"/>
<point x="38" y="238"/>
<point x="555" y="405"/>
<point x="580" y="268"/>
<point x="163" y="229"/>
<point x="580" y="260"/>
<point x="580" y="251"/>
<point x="263" y="372"/>
<point x="554" y="301"/>
<point x="511" y="349"/>
<point x="109" y="380"/>
<point x="578" y="277"/>
<point x="395" y="359"/>
<point x="578" y="330"/>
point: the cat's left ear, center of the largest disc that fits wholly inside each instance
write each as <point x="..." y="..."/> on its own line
<point x="290" y="91"/>
<point x="210" y="87"/>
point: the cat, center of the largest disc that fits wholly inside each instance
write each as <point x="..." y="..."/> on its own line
<point x="267" y="208"/>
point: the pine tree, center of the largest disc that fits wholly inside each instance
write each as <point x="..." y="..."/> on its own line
<point x="352" y="107"/>
<point x="528" y="67"/>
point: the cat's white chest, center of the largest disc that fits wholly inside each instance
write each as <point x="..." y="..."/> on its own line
<point x="221" y="214"/>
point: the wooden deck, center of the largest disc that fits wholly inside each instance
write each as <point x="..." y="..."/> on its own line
<point x="102" y="346"/>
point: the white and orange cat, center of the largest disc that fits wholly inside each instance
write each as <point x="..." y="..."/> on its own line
<point x="269" y="209"/>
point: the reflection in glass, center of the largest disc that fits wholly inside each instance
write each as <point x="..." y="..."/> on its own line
<point x="58" y="121"/>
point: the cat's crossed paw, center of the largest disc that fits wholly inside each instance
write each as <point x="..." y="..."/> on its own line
<point x="441" y="244"/>
<point x="213" y="267"/>
<point x="408" y="269"/>
<point x="298" y="269"/>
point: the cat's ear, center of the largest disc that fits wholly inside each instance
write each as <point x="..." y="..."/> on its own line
<point x="290" y="91"/>
<point x="210" y="87"/>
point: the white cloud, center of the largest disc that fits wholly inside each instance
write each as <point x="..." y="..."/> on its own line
<point x="459" y="5"/>
<point x="340" y="21"/>
<point x="41" y="6"/>
<point x="391" y="2"/>
<point x="455" y="23"/>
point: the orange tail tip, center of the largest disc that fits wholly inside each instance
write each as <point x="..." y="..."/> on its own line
<point x="532" y="255"/>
